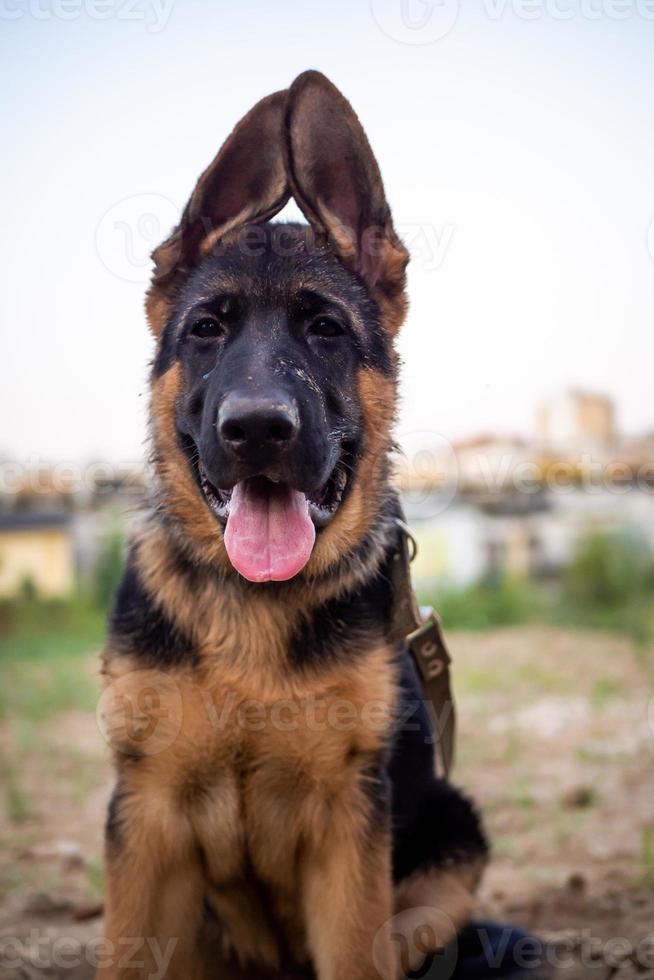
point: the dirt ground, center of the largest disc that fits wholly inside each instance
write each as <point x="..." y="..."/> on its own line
<point x="556" y="742"/>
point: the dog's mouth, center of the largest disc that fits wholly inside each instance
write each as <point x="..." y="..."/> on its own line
<point x="270" y="527"/>
<point x="322" y="505"/>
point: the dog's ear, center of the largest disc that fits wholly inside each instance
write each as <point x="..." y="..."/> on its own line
<point x="246" y="182"/>
<point x="335" y="179"/>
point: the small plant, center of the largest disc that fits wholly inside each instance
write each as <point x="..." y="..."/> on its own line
<point x="609" y="584"/>
<point x="18" y="809"/>
<point x="506" y="602"/>
<point x="609" y="570"/>
<point x="109" y="568"/>
<point x="644" y="875"/>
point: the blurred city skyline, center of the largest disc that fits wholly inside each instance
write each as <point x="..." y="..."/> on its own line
<point x="528" y="207"/>
<point x="488" y="505"/>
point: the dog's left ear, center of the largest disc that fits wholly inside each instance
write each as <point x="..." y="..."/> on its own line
<point x="246" y="182"/>
<point x="335" y="179"/>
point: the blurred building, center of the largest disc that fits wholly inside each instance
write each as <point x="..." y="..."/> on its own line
<point x="55" y="524"/>
<point x="505" y="505"/>
<point x="488" y="463"/>
<point x="481" y="507"/>
<point x="576" y="421"/>
<point x="36" y="551"/>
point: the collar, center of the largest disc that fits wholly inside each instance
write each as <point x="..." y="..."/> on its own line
<point x="421" y="631"/>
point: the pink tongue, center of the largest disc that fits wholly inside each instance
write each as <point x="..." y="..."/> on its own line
<point x="269" y="534"/>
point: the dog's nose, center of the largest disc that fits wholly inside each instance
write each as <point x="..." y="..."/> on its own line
<point x="251" y="422"/>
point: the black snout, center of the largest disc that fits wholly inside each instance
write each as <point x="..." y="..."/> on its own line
<point x="251" y="423"/>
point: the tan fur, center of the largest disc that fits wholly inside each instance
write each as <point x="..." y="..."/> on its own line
<point x="431" y="907"/>
<point x="157" y="309"/>
<point x="260" y="779"/>
<point x="248" y="788"/>
<point x="183" y="497"/>
<point x="252" y="637"/>
<point x="249" y="773"/>
<point x="243" y="780"/>
<point x="348" y="899"/>
<point x="354" y="517"/>
<point x="185" y="501"/>
<point x="394" y="305"/>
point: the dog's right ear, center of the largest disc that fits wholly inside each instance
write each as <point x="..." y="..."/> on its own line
<point x="335" y="179"/>
<point x="245" y="183"/>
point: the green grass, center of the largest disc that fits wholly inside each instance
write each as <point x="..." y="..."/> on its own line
<point x="606" y="689"/>
<point x="95" y="872"/>
<point x="481" y="606"/>
<point x="647" y="856"/>
<point x="17" y="803"/>
<point x="635" y="620"/>
<point x="608" y="585"/>
<point x="43" y="651"/>
<point x="520" y="795"/>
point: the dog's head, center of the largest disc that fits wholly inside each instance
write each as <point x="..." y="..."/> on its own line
<point x="274" y="379"/>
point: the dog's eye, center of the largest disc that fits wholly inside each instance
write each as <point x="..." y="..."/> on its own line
<point x="325" y="326"/>
<point x="207" y="328"/>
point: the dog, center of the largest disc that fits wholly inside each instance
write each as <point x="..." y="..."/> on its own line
<point x="276" y="812"/>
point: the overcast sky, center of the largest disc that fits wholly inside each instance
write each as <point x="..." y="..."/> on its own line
<point x="516" y="140"/>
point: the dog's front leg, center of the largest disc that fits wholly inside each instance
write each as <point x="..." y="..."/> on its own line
<point x="153" y="905"/>
<point x="348" y="903"/>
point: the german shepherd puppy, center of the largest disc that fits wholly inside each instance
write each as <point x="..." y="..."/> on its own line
<point x="276" y="811"/>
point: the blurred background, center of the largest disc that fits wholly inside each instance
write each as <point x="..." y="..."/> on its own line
<point x="517" y="147"/>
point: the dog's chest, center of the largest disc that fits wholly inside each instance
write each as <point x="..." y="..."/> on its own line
<point x="264" y="772"/>
<point x="253" y="778"/>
